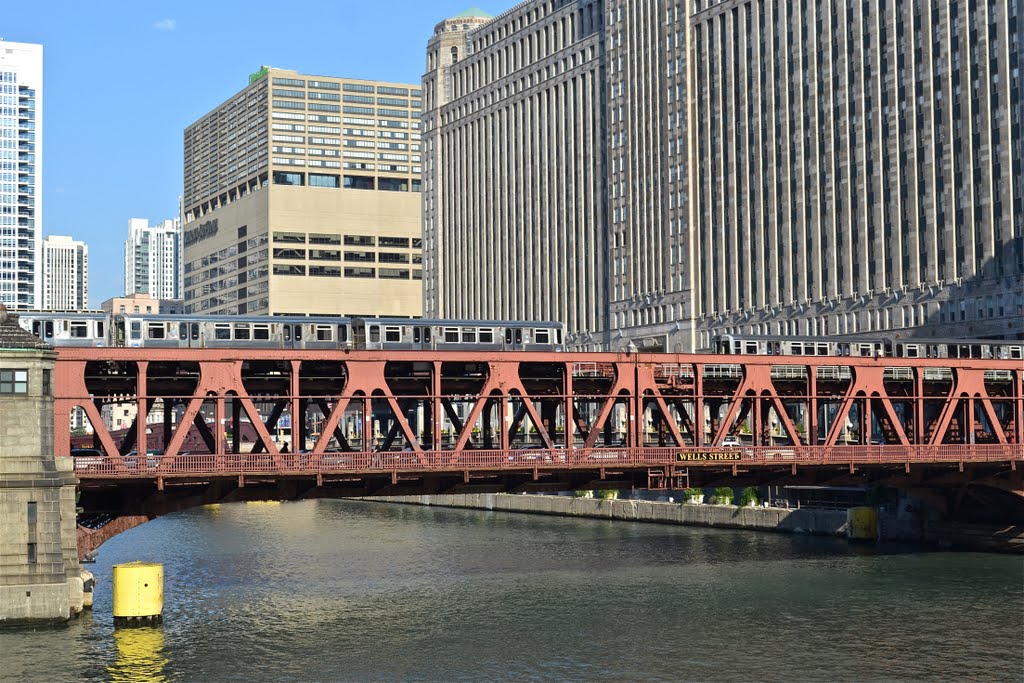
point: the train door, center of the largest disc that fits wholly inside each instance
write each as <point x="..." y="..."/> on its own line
<point x="292" y="336"/>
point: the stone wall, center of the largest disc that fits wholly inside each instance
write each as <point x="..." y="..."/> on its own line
<point x="822" y="522"/>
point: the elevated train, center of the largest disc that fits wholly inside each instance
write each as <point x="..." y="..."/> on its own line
<point x="129" y="330"/>
<point x="868" y="347"/>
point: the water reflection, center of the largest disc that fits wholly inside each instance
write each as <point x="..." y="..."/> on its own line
<point x="140" y="656"/>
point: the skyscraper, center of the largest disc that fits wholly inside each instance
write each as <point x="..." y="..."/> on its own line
<point x="302" y="195"/>
<point x="152" y="259"/>
<point x="760" y="166"/>
<point x="21" y="155"/>
<point x="65" y="274"/>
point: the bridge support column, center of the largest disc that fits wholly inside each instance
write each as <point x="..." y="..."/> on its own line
<point x="40" y="578"/>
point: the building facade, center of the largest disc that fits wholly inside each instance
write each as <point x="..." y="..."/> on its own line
<point x="152" y="259"/>
<point x="859" y="168"/>
<point x="302" y="196"/>
<point x="21" y="166"/>
<point x="515" y="194"/>
<point x="65" y="274"/>
<point x="142" y="303"/>
<point x="764" y="167"/>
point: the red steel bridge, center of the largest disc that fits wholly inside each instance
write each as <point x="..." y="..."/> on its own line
<point x="237" y="424"/>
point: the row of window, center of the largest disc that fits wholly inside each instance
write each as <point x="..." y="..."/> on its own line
<point x="351" y="240"/>
<point x="353" y="256"/>
<point x="347" y="87"/>
<point x="350" y="272"/>
<point x="348" y="182"/>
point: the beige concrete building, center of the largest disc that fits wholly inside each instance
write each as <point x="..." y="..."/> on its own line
<point x="142" y="303"/>
<point x="759" y="166"/>
<point x="302" y="196"/>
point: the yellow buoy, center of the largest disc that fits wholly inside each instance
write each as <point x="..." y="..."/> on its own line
<point x="138" y="593"/>
<point x="862" y="524"/>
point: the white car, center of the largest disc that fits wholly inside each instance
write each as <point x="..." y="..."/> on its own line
<point x="731" y="442"/>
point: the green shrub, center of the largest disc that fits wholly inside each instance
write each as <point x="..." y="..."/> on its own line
<point x="608" y="494"/>
<point x="694" y="493"/>
<point x="583" y="494"/>
<point x="724" y="495"/>
<point x="749" y="496"/>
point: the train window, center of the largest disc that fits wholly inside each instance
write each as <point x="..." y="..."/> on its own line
<point x="910" y="350"/>
<point x="1016" y="352"/>
<point x="297" y="333"/>
<point x="375" y="333"/>
<point x="99" y="328"/>
<point x="469" y="335"/>
<point x="518" y="336"/>
<point x="975" y="350"/>
<point x="79" y="330"/>
<point x="243" y="332"/>
<point x="261" y="332"/>
<point x="222" y="331"/>
<point x="426" y="335"/>
<point x="392" y="333"/>
<point x="822" y="349"/>
<point x="752" y="348"/>
<point x="155" y="331"/>
<point x="36" y="328"/>
<point x="508" y="336"/>
<point x="182" y="330"/>
<point x="451" y="335"/>
<point x="558" y="336"/>
<point x="195" y="332"/>
<point x="324" y="332"/>
<point x="416" y="335"/>
<point x="796" y="349"/>
<point x="864" y="350"/>
<point x="486" y="336"/>
<point x="342" y="333"/>
<point x="542" y="336"/>
<point x="287" y="332"/>
<point x="136" y="329"/>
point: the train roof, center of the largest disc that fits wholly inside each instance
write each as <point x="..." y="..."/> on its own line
<point x="188" y="318"/>
<point x="60" y="315"/>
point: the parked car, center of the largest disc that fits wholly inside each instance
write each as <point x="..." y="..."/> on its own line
<point x="86" y="458"/>
<point x="731" y="441"/>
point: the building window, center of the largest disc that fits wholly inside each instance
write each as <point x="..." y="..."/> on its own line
<point x="392" y="184"/>
<point x="32" y="514"/>
<point x="287" y="178"/>
<point x="359" y="182"/>
<point x="318" y="180"/>
<point x="360" y="272"/>
<point x="282" y="269"/>
<point x="290" y="237"/>
<point x="32" y="553"/>
<point x="47" y="384"/>
<point x="401" y="242"/>
<point x="13" y="381"/>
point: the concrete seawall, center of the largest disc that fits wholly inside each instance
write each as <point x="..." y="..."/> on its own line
<point x="819" y="522"/>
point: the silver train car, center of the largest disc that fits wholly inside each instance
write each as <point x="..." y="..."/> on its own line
<point x="867" y="347"/>
<point x="145" y="330"/>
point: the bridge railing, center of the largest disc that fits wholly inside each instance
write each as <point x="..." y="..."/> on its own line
<point x="153" y="466"/>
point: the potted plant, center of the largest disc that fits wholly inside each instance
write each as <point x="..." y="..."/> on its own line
<point x="749" y="497"/>
<point x="724" y="495"/>
<point x="695" y="496"/>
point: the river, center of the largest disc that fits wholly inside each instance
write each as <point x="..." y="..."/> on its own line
<point x="357" y="591"/>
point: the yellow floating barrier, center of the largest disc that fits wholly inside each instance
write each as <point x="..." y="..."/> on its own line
<point x="138" y="594"/>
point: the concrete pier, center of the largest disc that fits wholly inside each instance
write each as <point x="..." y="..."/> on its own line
<point x="40" y="577"/>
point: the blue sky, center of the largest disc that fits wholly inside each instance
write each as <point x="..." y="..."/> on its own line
<point x="122" y="80"/>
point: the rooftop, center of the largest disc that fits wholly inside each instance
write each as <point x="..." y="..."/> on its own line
<point x="13" y="337"/>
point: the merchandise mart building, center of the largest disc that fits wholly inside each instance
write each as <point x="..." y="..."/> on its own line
<point x="302" y="196"/>
<point x="655" y="172"/>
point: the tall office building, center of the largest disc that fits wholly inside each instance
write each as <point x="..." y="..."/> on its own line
<point x="514" y="200"/>
<point x="302" y="196"/>
<point x="65" y="274"/>
<point x="21" y="156"/>
<point x="152" y="259"/>
<point x="764" y="166"/>
<point x="859" y="167"/>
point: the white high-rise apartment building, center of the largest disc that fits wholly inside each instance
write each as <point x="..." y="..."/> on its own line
<point x="152" y="259"/>
<point x="65" y="274"/>
<point x="21" y="142"/>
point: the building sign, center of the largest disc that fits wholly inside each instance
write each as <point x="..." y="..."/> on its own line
<point x="198" y="234"/>
<point x="259" y="74"/>
<point x="711" y="455"/>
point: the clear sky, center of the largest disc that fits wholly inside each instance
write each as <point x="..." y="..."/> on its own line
<point x="122" y="80"/>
